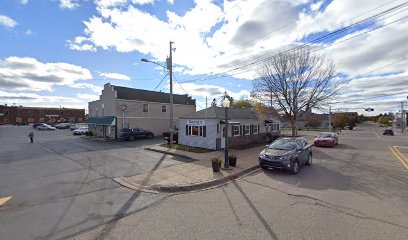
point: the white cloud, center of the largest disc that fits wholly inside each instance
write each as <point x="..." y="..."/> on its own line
<point x="116" y="76"/>
<point x="23" y="2"/>
<point x="25" y="73"/>
<point x="68" y="4"/>
<point x="92" y="87"/>
<point x="208" y="90"/>
<point x="23" y="97"/>
<point x="7" y="21"/>
<point x="170" y="1"/>
<point x="110" y="3"/>
<point x="142" y="2"/>
<point x="87" y="97"/>
<point x="28" y="32"/>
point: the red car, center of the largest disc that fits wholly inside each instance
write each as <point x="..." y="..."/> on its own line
<point x="326" y="140"/>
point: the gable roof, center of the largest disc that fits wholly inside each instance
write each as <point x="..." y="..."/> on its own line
<point x="151" y="96"/>
<point x="219" y="113"/>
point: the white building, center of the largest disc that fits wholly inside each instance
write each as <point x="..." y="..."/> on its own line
<point x="205" y="128"/>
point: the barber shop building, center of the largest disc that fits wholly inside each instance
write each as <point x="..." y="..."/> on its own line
<point x="205" y="128"/>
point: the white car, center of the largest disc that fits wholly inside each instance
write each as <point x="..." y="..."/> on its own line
<point x="45" y="127"/>
<point x="80" y="131"/>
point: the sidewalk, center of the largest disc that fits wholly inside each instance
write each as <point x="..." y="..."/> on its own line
<point x="191" y="176"/>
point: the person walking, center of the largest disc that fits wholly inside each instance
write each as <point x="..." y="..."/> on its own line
<point x="31" y="136"/>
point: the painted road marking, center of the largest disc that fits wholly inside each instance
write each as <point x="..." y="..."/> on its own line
<point x="4" y="200"/>
<point x="399" y="156"/>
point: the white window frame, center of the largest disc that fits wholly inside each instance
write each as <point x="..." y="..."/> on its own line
<point x="247" y="130"/>
<point x="255" y="129"/>
<point x="236" y="130"/>
<point x="143" y="107"/>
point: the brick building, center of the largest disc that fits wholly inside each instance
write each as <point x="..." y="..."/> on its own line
<point x="21" y="114"/>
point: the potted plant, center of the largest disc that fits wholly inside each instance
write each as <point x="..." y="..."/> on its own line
<point x="232" y="160"/>
<point x="216" y="163"/>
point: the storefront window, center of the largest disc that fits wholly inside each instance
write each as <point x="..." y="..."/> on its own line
<point x="196" y="131"/>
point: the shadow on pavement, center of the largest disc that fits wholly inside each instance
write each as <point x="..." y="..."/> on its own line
<point x="122" y="212"/>
<point x="257" y="213"/>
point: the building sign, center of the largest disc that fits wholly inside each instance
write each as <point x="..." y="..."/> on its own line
<point x="196" y="122"/>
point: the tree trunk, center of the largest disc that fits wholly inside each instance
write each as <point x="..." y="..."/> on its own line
<point x="293" y="130"/>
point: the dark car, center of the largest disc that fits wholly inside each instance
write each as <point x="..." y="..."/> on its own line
<point x="166" y="136"/>
<point x="35" y="125"/>
<point x="130" y="134"/>
<point x="287" y="154"/>
<point x="21" y="123"/>
<point x="388" y="132"/>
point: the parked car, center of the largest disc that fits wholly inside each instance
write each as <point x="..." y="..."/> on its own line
<point x="80" y="131"/>
<point x="76" y="126"/>
<point x="62" y="125"/>
<point x="166" y="136"/>
<point x="389" y="132"/>
<point x="287" y="154"/>
<point x="35" y="125"/>
<point x="45" y="127"/>
<point x="130" y="134"/>
<point x="21" y="123"/>
<point x="326" y="140"/>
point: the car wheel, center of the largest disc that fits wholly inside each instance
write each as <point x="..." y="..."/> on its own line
<point x="132" y="138"/>
<point x="309" y="161"/>
<point x="295" y="168"/>
<point x="149" y="136"/>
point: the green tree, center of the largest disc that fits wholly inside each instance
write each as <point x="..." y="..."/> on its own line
<point x="214" y="103"/>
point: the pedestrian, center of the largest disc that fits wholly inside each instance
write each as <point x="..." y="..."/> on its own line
<point x="31" y="136"/>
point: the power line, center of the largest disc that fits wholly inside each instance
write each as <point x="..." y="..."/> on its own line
<point x="161" y="81"/>
<point x="324" y="37"/>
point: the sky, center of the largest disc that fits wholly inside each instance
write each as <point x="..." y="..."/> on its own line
<point x="61" y="52"/>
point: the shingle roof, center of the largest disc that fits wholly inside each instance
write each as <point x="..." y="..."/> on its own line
<point x="219" y="113"/>
<point x="151" y="96"/>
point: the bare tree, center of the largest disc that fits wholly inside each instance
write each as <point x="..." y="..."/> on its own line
<point x="298" y="81"/>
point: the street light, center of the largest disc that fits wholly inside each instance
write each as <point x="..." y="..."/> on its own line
<point x="150" y="61"/>
<point x="226" y="105"/>
<point x="169" y="63"/>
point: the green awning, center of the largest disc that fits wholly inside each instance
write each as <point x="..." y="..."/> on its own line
<point x="109" y="120"/>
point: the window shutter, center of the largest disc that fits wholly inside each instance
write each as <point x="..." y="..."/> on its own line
<point x="186" y="130"/>
<point x="201" y="131"/>
<point x="232" y="130"/>
<point x="204" y="131"/>
<point x="251" y="129"/>
<point x="241" y="130"/>
<point x="258" y="129"/>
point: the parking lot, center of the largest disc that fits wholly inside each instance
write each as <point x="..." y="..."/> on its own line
<point x="62" y="184"/>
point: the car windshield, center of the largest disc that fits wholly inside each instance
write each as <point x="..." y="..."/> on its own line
<point x="325" y="135"/>
<point x="284" y="145"/>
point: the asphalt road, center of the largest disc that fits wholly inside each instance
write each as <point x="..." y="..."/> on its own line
<point x="357" y="190"/>
<point x="62" y="184"/>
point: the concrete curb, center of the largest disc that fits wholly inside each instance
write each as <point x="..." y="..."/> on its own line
<point x="186" y="188"/>
<point x="170" y="153"/>
<point x="203" y="185"/>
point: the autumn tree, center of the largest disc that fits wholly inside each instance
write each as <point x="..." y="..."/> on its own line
<point x="297" y="81"/>
<point x="243" y="103"/>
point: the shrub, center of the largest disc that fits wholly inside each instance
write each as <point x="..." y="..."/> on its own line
<point x="232" y="156"/>
<point x="216" y="159"/>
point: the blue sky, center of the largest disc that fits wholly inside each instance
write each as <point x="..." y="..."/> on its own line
<point x="61" y="52"/>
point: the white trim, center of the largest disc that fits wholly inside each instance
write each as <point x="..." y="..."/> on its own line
<point x="126" y="117"/>
<point x="233" y="133"/>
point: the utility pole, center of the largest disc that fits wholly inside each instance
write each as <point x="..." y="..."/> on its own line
<point x="170" y="68"/>
<point x="330" y="120"/>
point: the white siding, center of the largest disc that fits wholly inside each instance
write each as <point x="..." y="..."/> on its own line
<point x="208" y="142"/>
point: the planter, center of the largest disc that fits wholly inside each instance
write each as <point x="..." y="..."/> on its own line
<point x="232" y="161"/>
<point x="216" y="166"/>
